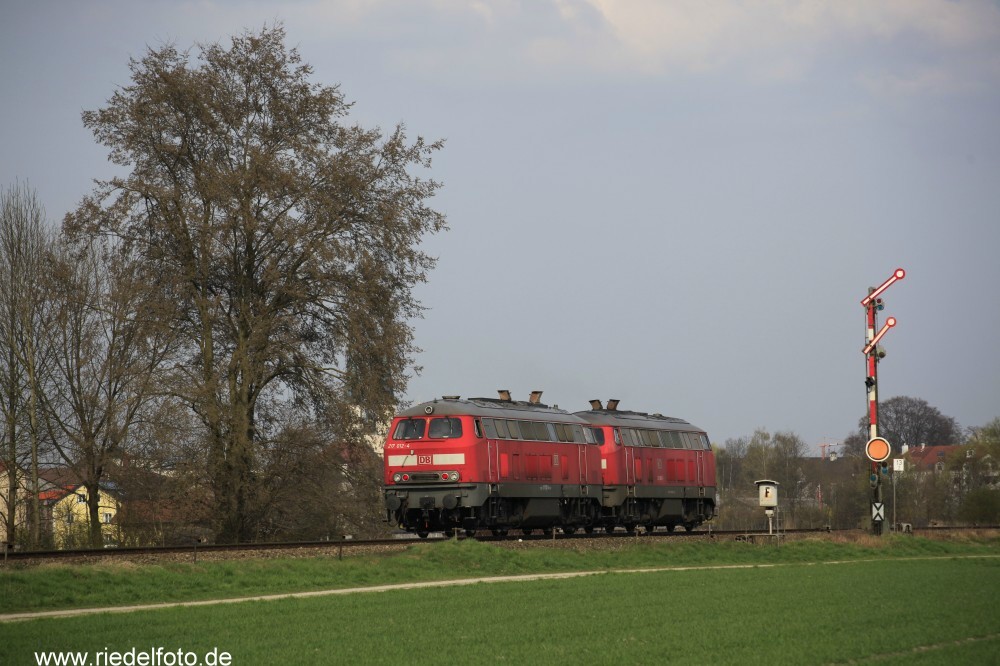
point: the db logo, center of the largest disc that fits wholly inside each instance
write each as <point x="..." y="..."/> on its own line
<point x="423" y="460"/>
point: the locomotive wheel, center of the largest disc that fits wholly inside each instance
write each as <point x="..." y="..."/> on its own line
<point x="630" y="528"/>
<point x="498" y="532"/>
<point x="671" y="527"/>
<point x="609" y="529"/>
<point x="688" y="527"/>
<point x="422" y="535"/>
<point x="449" y="533"/>
<point x="569" y="529"/>
<point x="526" y="532"/>
<point x="589" y="529"/>
<point x="547" y="531"/>
<point x="470" y="533"/>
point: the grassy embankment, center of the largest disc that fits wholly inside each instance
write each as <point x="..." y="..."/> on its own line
<point x="58" y="586"/>
<point x="907" y="601"/>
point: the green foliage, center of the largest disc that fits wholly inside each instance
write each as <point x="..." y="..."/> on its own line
<point x="981" y="507"/>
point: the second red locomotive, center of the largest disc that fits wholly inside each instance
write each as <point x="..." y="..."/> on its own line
<point x="501" y="464"/>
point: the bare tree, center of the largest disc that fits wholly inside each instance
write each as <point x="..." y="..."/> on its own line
<point x="24" y="239"/>
<point x="106" y="349"/>
<point x="286" y="243"/>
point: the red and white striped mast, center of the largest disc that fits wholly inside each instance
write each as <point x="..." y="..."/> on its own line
<point x="877" y="449"/>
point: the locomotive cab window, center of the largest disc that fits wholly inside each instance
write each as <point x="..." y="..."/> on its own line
<point x="445" y="428"/>
<point x="409" y="429"/>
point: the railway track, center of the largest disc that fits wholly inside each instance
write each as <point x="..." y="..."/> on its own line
<point x="342" y="545"/>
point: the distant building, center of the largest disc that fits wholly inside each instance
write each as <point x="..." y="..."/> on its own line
<point x="66" y="516"/>
<point x="931" y="458"/>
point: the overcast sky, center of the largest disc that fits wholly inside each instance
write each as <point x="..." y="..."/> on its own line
<point x="677" y="204"/>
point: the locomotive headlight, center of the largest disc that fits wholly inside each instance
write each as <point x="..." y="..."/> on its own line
<point x="397" y="477"/>
<point x="453" y="476"/>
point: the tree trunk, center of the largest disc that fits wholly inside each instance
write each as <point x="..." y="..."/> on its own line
<point x="10" y="522"/>
<point x="96" y="536"/>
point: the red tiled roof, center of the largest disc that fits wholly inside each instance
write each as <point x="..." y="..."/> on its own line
<point x="927" y="456"/>
<point x="55" y="494"/>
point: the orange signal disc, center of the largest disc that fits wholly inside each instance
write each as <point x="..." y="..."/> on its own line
<point x="877" y="449"/>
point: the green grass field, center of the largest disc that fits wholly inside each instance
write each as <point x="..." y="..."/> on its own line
<point x="900" y="601"/>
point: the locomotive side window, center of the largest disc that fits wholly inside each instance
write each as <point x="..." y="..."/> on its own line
<point x="501" y="426"/>
<point x="649" y="438"/>
<point x="515" y="432"/>
<point x="445" y="428"/>
<point x="524" y="427"/>
<point x="704" y="442"/>
<point x="491" y="431"/>
<point x="578" y="436"/>
<point x="409" y="429"/>
<point x="551" y="432"/>
<point x="674" y="440"/>
<point x="594" y="435"/>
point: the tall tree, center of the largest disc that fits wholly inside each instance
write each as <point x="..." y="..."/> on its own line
<point x="286" y="242"/>
<point x="912" y="421"/>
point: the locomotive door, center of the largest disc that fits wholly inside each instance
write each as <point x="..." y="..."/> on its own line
<point x="699" y="468"/>
<point x="493" y="460"/>
<point x="629" y="465"/>
<point x="581" y="454"/>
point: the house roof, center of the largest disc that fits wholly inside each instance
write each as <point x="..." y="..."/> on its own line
<point x="52" y="495"/>
<point x="55" y="494"/>
<point x="925" y="457"/>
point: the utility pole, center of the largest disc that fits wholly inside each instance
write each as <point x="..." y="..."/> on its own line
<point x="877" y="449"/>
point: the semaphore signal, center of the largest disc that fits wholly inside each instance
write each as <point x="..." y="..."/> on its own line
<point x="897" y="274"/>
<point x="878" y="448"/>
<point x="889" y="323"/>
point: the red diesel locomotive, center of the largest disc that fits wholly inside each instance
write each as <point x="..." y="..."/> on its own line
<point x="501" y="464"/>
<point x="656" y="470"/>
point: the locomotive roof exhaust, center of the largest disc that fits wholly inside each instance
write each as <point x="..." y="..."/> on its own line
<point x="596" y="404"/>
<point x="612" y="404"/>
<point x="536" y="397"/>
<point x="504" y="395"/>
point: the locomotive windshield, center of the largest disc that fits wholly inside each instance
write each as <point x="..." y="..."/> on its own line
<point x="409" y="429"/>
<point x="441" y="428"/>
<point x="445" y="428"/>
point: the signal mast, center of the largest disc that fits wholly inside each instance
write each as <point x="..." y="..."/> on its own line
<point x="878" y="448"/>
